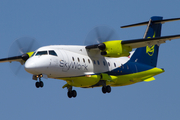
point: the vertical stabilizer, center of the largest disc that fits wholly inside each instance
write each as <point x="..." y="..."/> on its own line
<point x="148" y="55"/>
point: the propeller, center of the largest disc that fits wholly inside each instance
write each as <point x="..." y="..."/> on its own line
<point x="100" y="34"/>
<point x="19" y="48"/>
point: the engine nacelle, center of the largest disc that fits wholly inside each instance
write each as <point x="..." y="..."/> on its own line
<point x="114" y="49"/>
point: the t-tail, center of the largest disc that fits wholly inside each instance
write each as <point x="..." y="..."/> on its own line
<point x="149" y="55"/>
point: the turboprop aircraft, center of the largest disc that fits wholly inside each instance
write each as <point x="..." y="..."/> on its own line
<point x="106" y="64"/>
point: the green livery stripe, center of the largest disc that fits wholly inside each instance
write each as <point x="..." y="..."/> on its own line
<point x="120" y="80"/>
<point x="30" y="53"/>
<point x="137" y="77"/>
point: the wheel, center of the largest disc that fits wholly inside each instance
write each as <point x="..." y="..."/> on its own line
<point x="37" y="84"/>
<point x="69" y="94"/>
<point x="41" y="84"/>
<point x="108" y="89"/>
<point x="104" y="89"/>
<point x="74" y="93"/>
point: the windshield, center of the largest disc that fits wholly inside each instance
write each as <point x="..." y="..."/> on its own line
<point x="50" y="52"/>
<point x="33" y="54"/>
<point x="41" y="53"/>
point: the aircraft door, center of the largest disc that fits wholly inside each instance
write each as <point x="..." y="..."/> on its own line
<point x="109" y="64"/>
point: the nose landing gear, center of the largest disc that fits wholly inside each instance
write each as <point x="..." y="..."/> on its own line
<point x="38" y="83"/>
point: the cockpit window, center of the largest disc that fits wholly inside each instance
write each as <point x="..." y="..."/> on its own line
<point x="33" y="54"/>
<point x="52" y="52"/>
<point x="41" y="53"/>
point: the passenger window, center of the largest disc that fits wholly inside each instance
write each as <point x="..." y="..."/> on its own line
<point x="114" y="64"/>
<point x="104" y="63"/>
<point x="108" y="63"/>
<point x="73" y="58"/>
<point x="88" y="60"/>
<point x="41" y="53"/>
<point x="98" y="62"/>
<point x="94" y="61"/>
<point x="127" y="67"/>
<point x="78" y="60"/>
<point x="52" y="52"/>
<point x="83" y="60"/>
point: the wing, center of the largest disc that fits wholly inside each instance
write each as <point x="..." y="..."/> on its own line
<point x="119" y="48"/>
<point x="20" y="58"/>
<point x="11" y="59"/>
<point x="137" y="43"/>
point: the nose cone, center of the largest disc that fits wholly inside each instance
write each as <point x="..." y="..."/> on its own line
<point x="30" y="66"/>
<point x="37" y="65"/>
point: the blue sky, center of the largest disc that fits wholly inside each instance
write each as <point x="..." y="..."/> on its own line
<point x="69" y="22"/>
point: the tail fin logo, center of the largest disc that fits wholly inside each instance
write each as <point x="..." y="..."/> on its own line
<point x="150" y="50"/>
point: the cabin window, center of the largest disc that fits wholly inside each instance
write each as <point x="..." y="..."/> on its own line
<point x="83" y="60"/>
<point x="73" y="58"/>
<point x="98" y="62"/>
<point x="78" y="60"/>
<point x="114" y="64"/>
<point x="94" y="61"/>
<point x="88" y="60"/>
<point x="41" y="53"/>
<point x="52" y="52"/>
<point x="108" y="63"/>
<point x="127" y="67"/>
<point x="104" y="63"/>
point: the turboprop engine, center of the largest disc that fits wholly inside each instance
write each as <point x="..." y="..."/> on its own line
<point x="106" y="40"/>
<point x="114" y="49"/>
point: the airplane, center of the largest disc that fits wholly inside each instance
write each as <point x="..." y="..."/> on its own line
<point x="107" y="64"/>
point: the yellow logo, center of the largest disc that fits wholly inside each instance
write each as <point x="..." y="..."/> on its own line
<point x="150" y="50"/>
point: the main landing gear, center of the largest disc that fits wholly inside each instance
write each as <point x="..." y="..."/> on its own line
<point x="106" y="89"/>
<point x="71" y="93"/>
<point x="39" y="83"/>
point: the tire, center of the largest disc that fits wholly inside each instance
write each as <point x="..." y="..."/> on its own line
<point x="41" y="84"/>
<point x="69" y="94"/>
<point x="74" y="93"/>
<point x="104" y="90"/>
<point x="108" y="89"/>
<point x="37" y="84"/>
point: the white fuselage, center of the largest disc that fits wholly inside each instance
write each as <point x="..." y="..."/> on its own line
<point x="70" y="61"/>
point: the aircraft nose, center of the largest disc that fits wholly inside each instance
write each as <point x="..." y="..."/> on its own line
<point x="30" y="66"/>
<point x="37" y="65"/>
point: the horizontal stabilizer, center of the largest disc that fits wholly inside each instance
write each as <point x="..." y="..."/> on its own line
<point x="154" y="22"/>
<point x="149" y="79"/>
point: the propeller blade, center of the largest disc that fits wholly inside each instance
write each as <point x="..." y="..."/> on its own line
<point x="100" y="34"/>
<point x="18" y="49"/>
